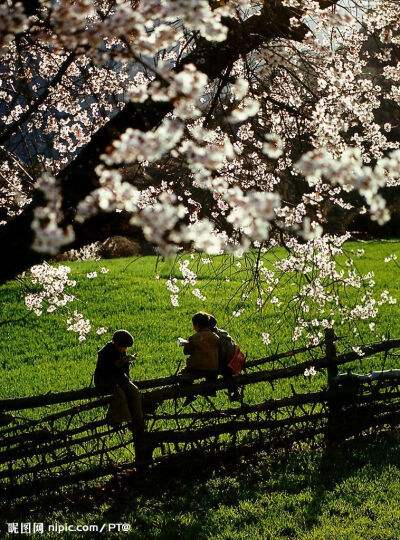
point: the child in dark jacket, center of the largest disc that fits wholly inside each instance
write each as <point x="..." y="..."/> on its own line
<point x="112" y="370"/>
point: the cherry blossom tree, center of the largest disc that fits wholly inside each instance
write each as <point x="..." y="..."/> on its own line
<point x="267" y="113"/>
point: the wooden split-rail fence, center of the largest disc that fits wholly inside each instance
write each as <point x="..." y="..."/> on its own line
<point x="62" y="438"/>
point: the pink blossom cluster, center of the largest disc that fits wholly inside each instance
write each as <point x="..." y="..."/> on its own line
<point x="351" y="174"/>
<point x="51" y="282"/>
<point x="183" y="89"/>
<point x="78" y="324"/>
<point x="252" y="212"/>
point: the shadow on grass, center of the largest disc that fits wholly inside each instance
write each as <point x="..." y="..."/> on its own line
<point x="209" y="496"/>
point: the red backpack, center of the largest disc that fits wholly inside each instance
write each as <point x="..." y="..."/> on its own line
<point x="238" y="361"/>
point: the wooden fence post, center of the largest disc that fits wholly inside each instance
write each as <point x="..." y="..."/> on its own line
<point x="333" y="405"/>
<point x="330" y="353"/>
<point x="143" y="449"/>
<point x="141" y="440"/>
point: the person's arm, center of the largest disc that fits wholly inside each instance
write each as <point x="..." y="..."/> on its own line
<point x="188" y="346"/>
<point x="100" y="362"/>
<point x="102" y="370"/>
<point x="125" y="368"/>
<point x="124" y="359"/>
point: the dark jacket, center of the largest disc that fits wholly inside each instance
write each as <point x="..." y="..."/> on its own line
<point x="226" y="348"/>
<point x="112" y="366"/>
<point x="202" y="349"/>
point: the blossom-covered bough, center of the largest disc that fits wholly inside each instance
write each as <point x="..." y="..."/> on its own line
<point x="217" y="126"/>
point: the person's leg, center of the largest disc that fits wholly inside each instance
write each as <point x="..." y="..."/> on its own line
<point x="134" y="400"/>
<point x="186" y="378"/>
<point x="212" y="378"/>
<point x="233" y="389"/>
<point x="144" y="452"/>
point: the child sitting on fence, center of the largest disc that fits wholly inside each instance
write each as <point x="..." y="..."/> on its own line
<point x="112" y="373"/>
<point x="202" y="350"/>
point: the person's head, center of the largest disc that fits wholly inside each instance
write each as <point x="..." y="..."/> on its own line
<point x="122" y="339"/>
<point x="200" y="321"/>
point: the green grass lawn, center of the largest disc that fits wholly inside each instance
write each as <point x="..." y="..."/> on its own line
<point x="356" y="495"/>
<point x="37" y="354"/>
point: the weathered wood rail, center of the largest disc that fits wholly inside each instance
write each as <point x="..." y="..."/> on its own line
<point x="73" y="441"/>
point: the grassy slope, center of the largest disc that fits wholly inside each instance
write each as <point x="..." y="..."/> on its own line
<point x="38" y="355"/>
<point x="358" y="499"/>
